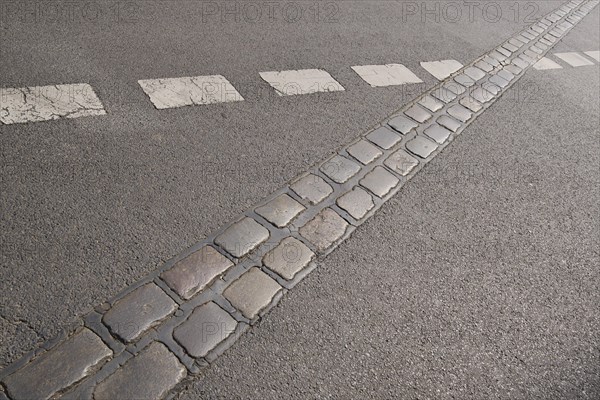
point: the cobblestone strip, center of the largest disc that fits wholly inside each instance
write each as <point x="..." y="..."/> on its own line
<point x="158" y="333"/>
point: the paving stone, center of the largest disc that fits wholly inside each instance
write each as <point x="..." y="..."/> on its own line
<point x="205" y="328"/>
<point x="504" y="51"/>
<point x="516" y="42"/>
<point x="401" y="162"/>
<point x="484" y="66"/>
<point x="530" y="54"/>
<point x="431" y="103"/>
<point x="556" y="33"/>
<point x="148" y="375"/>
<point x="192" y="274"/>
<point x="312" y="188"/>
<point x="443" y="94"/>
<point x="455" y="87"/>
<point x="475" y="73"/>
<point x="498" y="56"/>
<point x="58" y="368"/>
<point x="379" y="181"/>
<point x="402" y="124"/>
<point x="482" y="95"/>
<point x="384" y="137"/>
<point x="356" y="202"/>
<point x="490" y="87"/>
<point x="536" y="49"/>
<point x="242" y="237"/>
<point x="513" y="69"/>
<point x="506" y="75"/>
<point x="520" y="63"/>
<point x="252" y="292"/>
<point x="449" y="123"/>
<point x="499" y="81"/>
<point x="288" y="258"/>
<point x="460" y="113"/>
<point x="421" y="146"/>
<point x="510" y="47"/>
<point x="541" y="46"/>
<point x="527" y="59"/>
<point x="364" y="152"/>
<point x="340" y="169"/>
<point x="471" y="104"/>
<point x="523" y="39"/>
<point x="492" y="61"/>
<point x="324" y="229"/>
<point x="138" y="311"/>
<point x="437" y="133"/>
<point x="464" y="80"/>
<point x="528" y="35"/>
<point x="418" y="114"/>
<point x="280" y="211"/>
<point x="546" y="42"/>
<point x="550" y="38"/>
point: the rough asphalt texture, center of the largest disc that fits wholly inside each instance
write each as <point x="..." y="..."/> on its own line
<point x="479" y="280"/>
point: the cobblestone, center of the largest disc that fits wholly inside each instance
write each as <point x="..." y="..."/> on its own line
<point x="364" y="152"/>
<point x="324" y="229"/>
<point x="448" y="123"/>
<point x="460" y="113"/>
<point x="242" y="237"/>
<point x="288" y="258"/>
<point x="401" y="162"/>
<point x="475" y="73"/>
<point x="138" y="311"/>
<point x="379" y="181"/>
<point x="384" y="138"/>
<point x="444" y="94"/>
<point x="464" y="80"/>
<point x="208" y="326"/>
<point x="149" y="375"/>
<point x="356" y="202"/>
<point x="421" y="146"/>
<point x="58" y="368"/>
<point x="418" y="114"/>
<point x="402" y="124"/>
<point x="192" y="274"/>
<point x="499" y="81"/>
<point x="471" y="104"/>
<point x="482" y="95"/>
<point x="252" y="292"/>
<point x="340" y="169"/>
<point x="431" y="103"/>
<point x="280" y="211"/>
<point x="312" y="188"/>
<point x="437" y="133"/>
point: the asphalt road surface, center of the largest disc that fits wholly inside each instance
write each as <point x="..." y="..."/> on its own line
<point x="410" y="303"/>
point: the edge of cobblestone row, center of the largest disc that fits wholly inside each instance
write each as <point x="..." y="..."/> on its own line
<point x="214" y="291"/>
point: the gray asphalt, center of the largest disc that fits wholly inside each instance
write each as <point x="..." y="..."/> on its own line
<point x="478" y="280"/>
<point x="93" y="204"/>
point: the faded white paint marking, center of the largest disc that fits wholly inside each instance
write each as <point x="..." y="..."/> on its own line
<point x="303" y="81"/>
<point x="386" y="75"/>
<point x="546" y="63"/>
<point x="441" y="69"/>
<point x="574" y="59"/>
<point x="188" y="91"/>
<point x="593" y="54"/>
<point x="45" y="103"/>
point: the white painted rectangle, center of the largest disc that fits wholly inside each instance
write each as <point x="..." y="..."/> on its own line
<point x="189" y="91"/>
<point x="574" y="59"/>
<point x="46" y="103"/>
<point x="593" y="54"/>
<point x="441" y="69"/>
<point x="386" y="75"/>
<point x="303" y="81"/>
<point x="546" y="63"/>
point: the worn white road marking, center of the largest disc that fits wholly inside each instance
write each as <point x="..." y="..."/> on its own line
<point x="546" y="63"/>
<point x="574" y="59"/>
<point x="386" y="75"/>
<point x="45" y="103"/>
<point x="188" y="91"/>
<point x="441" y="69"/>
<point x="302" y="81"/>
<point x="593" y="54"/>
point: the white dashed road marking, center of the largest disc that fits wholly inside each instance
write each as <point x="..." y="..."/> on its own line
<point x="386" y="75"/>
<point x="303" y="81"/>
<point x="593" y="54"/>
<point x="441" y="69"/>
<point x="45" y="103"/>
<point x="574" y="59"/>
<point x="188" y="91"/>
<point x="546" y="63"/>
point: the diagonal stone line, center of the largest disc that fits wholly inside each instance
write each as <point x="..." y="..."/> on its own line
<point x="148" y="340"/>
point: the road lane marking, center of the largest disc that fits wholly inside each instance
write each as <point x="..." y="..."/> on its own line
<point x="593" y="54"/>
<point x="546" y="63"/>
<point x="46" y="103"/>
<point x="574" y="59"/>
<point x="441" y="69"/>
<point x="189" y="91"/>
<point x="302" y="81"/>
<point x="386" y="75"/>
